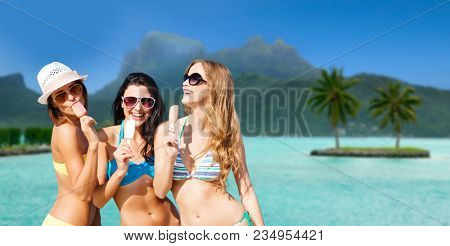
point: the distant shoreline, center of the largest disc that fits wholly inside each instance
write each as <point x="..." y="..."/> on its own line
<point x="404" y="152"/>
<point x="25" y="150"/>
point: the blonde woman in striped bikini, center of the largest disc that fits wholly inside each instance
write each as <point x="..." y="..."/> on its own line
<point x="194" y="155"/>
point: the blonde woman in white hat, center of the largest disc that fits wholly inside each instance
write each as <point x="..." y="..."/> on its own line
<point x="74" y="146"/>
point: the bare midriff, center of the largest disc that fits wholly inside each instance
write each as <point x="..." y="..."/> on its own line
<point x="68" y="206"/>
<point x="202" y="203"/>
<point x="139" y="205"/>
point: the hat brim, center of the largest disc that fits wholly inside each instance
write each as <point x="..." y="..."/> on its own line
<point x="43" y="99"/>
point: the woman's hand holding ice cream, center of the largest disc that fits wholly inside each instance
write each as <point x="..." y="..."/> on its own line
<point x="87" y="122"/>
<point x="171" y="140"/>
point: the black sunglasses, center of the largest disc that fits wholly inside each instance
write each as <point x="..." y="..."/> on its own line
<point x="194" y="79"/>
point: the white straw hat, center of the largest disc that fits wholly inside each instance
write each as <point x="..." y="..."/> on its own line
<point x="54" y="76"/>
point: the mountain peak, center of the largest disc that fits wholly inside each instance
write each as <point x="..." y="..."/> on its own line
<point x="277" y="60"/>
<point x="170" y="37"/>
<point x="256" y="40"/>
<point x="159" y="49"/>
<point x="15" y="80"/>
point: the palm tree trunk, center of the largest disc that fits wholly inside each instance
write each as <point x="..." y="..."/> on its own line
<point x="336" y="134"/>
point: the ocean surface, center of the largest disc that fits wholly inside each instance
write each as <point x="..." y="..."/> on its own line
<point x="293" y="188"/>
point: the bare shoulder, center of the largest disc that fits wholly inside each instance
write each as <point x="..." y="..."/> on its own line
<point x="65" y="139"/>
<point x="109" y="134"/>
<point x="64" y="132"/>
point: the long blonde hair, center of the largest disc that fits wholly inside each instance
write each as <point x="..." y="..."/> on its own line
<point x="221" y="119"/>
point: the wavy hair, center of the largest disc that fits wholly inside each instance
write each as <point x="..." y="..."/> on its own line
<point x="222" y="120"/>
<point x="149" y="128"/>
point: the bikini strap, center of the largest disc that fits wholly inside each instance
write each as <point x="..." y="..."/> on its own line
<point x="182" y="129"/>
<point x="120" y="134"/>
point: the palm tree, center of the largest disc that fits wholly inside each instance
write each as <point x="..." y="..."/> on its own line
<point x="395" y="105"/>
<point x="331" y="92"/>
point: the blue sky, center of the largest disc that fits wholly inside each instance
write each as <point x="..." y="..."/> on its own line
<point x="320" y="30"/>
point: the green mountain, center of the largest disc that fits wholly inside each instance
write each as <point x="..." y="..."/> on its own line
<point x="263" y="107"/>
<point x="278" y="60"/>
<point x="161" y="55"/>
<point x="432" y="116"/>
<point x="165" y="56"/>
<point x="18" y="104"/>
<point x="264" y="102"/>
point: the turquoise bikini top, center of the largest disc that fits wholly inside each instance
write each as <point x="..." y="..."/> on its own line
<point x="135" y="171"/>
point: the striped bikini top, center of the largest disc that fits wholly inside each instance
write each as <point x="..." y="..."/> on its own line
<point x="206" y="170"/>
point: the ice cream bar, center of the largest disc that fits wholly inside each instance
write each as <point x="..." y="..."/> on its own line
<point x="129" y="130"/>
<point x="173" y="114"/>
<point x="79" y="109"/>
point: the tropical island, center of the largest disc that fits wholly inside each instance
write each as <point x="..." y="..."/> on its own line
<point x="269" y="71"/>
<point x="394" y="104"/>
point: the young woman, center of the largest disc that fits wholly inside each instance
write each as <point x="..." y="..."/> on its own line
<point x="129" y="168"/>
<point x="195" y="163"/>
<point x="74" y="146"/>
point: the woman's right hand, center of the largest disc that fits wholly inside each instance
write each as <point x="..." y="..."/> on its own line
<point x="123" y="155"/>
<point x="170" y="137"/>
<point x="171" y="142"/>
<point x="87" y="126"/>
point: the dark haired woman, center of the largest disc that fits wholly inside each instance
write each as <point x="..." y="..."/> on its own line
<point x="128" y="167"/>
<point x="74" y="146"/>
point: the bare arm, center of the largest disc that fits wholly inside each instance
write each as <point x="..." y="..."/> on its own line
<point x="102" y="165"/>
<point x="106" y="191"/>
<point x="246" y="191"/>
<point x="82" y="173"/>
<point x="104" y="135"/>
<point x="166" y="149"/>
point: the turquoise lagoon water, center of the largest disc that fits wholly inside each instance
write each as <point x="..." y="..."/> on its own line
<point x="293" y="188"/>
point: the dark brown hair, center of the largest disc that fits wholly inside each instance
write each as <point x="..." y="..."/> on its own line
<point x="149" y="128"/>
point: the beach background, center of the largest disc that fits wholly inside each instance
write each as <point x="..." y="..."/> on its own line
<point x="292" y="187"/>
<point x="276" y="52"/>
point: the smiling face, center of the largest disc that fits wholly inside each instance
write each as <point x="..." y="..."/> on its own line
<point x="194" y="95"/>
<point x="137" y="112"/>
<point x="66" y="96"/>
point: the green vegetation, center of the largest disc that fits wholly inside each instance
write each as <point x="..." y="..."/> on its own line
<point x="36" y="135"/>
<point x="332" y="94"/>
<point x="395" y="106"/>
<point x="404" y="152"/>
<point x="9" y="136"/>
<point x="388" y="149"/>
<point x="36" y="140"/>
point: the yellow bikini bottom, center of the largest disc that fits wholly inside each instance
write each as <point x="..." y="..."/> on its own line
<point x="52" y="221"/>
